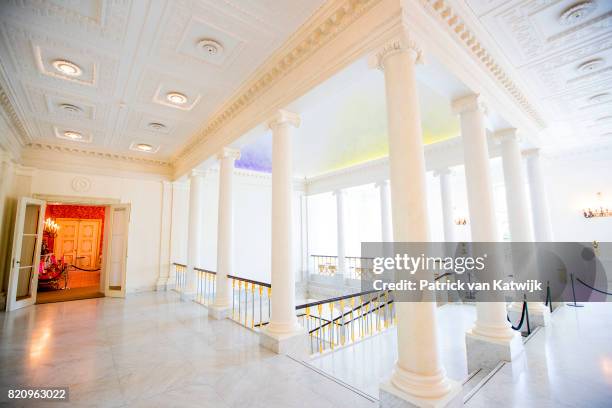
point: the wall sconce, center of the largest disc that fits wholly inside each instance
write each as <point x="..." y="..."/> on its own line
<point x="597" y="212"/>
<point x="461" y="221"/>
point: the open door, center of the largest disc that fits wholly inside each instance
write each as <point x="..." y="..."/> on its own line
<point x="116" y="250"/>
<point x="25" y="258"/>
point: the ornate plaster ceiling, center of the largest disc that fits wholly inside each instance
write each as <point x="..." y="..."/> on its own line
<point x="562" y="50"/>
<point x="132" y="54"/>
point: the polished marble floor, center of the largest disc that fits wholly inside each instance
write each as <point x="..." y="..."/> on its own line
<point x="151" y="350"/>
<point x="568" y="364"/>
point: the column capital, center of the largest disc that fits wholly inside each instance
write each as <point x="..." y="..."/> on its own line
<point x="403" y="42"/>
<point x="468" y="103"/>
<point x="506" y="134"/>
<point x="228" y="152"/>
<point x="282" y="117"/>
<point x="442" y="172"/>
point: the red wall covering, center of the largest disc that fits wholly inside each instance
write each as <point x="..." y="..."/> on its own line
<point x="83" y="212"/>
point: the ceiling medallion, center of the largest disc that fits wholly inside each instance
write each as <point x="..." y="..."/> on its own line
<point x="176" y="98"/>
<point x="70" y="108"/>
<point x="210" y="47"/>
<point x="67" y="68"/>
<point x="156" y="126"/>
<point x="576" y="13"/>
<point x="81" y="184"/>
<point x="599" y="97"/>
<point x="591" y="65"/>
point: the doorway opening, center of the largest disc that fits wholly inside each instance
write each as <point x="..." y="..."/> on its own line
<point x="71" y="254"/>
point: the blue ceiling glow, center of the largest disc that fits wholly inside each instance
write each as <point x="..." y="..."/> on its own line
<point x="257" y="156"/>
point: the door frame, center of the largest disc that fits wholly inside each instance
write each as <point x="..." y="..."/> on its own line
<point x="102" y="202"/>
<point x="11" y="300"/>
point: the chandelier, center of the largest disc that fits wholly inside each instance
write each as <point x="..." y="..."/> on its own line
<point x="597" y="212"/>
<point x="51" y="227"/>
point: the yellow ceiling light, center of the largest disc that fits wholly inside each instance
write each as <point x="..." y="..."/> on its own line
<point x="176" y="98"/>
<point x="67" y="68"/>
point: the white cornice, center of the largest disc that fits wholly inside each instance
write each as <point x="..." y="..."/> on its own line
<point x="326" y="24"/>
<point x="457" y="26"/>
<point x="98" y="154"/>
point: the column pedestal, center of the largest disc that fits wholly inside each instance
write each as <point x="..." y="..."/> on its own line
<point x="392" y="397"/>
<point x="294" y="343"/>
<point x="486" y="352"/>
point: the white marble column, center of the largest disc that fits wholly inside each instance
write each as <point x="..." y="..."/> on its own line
<point x="283" y="334"/>
<point x="446" y="195"/>
<point x="304" y="236"/>
<point x="165" y="238"/>
<point x="491" y="339"/>
<point x="418" y="378"/>
<point x="515" y="184"/>
<point x="194" y="232"/>
<point x="341" y="236"/>
<point x="386" y="227"/>
<point x="540" y="212"/>
<point x="517" y="204"/>
<point x="222" y="304"/>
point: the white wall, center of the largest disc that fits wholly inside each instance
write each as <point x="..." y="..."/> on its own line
<point x="572" y="183"/>
<point x="144" y="195"/>
<point x="252" y="197"/>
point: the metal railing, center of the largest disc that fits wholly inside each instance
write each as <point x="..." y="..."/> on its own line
<point x="180" y="277"/>
<point x="356" y="267"/>
<point x="344" y="320"/>
<point x="206" y="286"/>
<point x="326" y="265"/>
<point x="251" y="302"/>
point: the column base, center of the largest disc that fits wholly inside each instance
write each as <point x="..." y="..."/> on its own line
<point x="294" y="343"/>
<point x="162" y="284"/>
<point x="486" y="352"/>
<point x="393" y="397"/>
<point x="219" y="312"/>
<point x="188" y="296"/>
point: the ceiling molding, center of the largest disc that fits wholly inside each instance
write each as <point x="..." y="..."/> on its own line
<point x="12" y="116"/>
<point x="306" y="41"/>
<point x="97" y="154"/>
<point x="456" y="25"/>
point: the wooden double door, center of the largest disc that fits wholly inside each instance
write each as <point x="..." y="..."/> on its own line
<point x="78" y="241"/>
